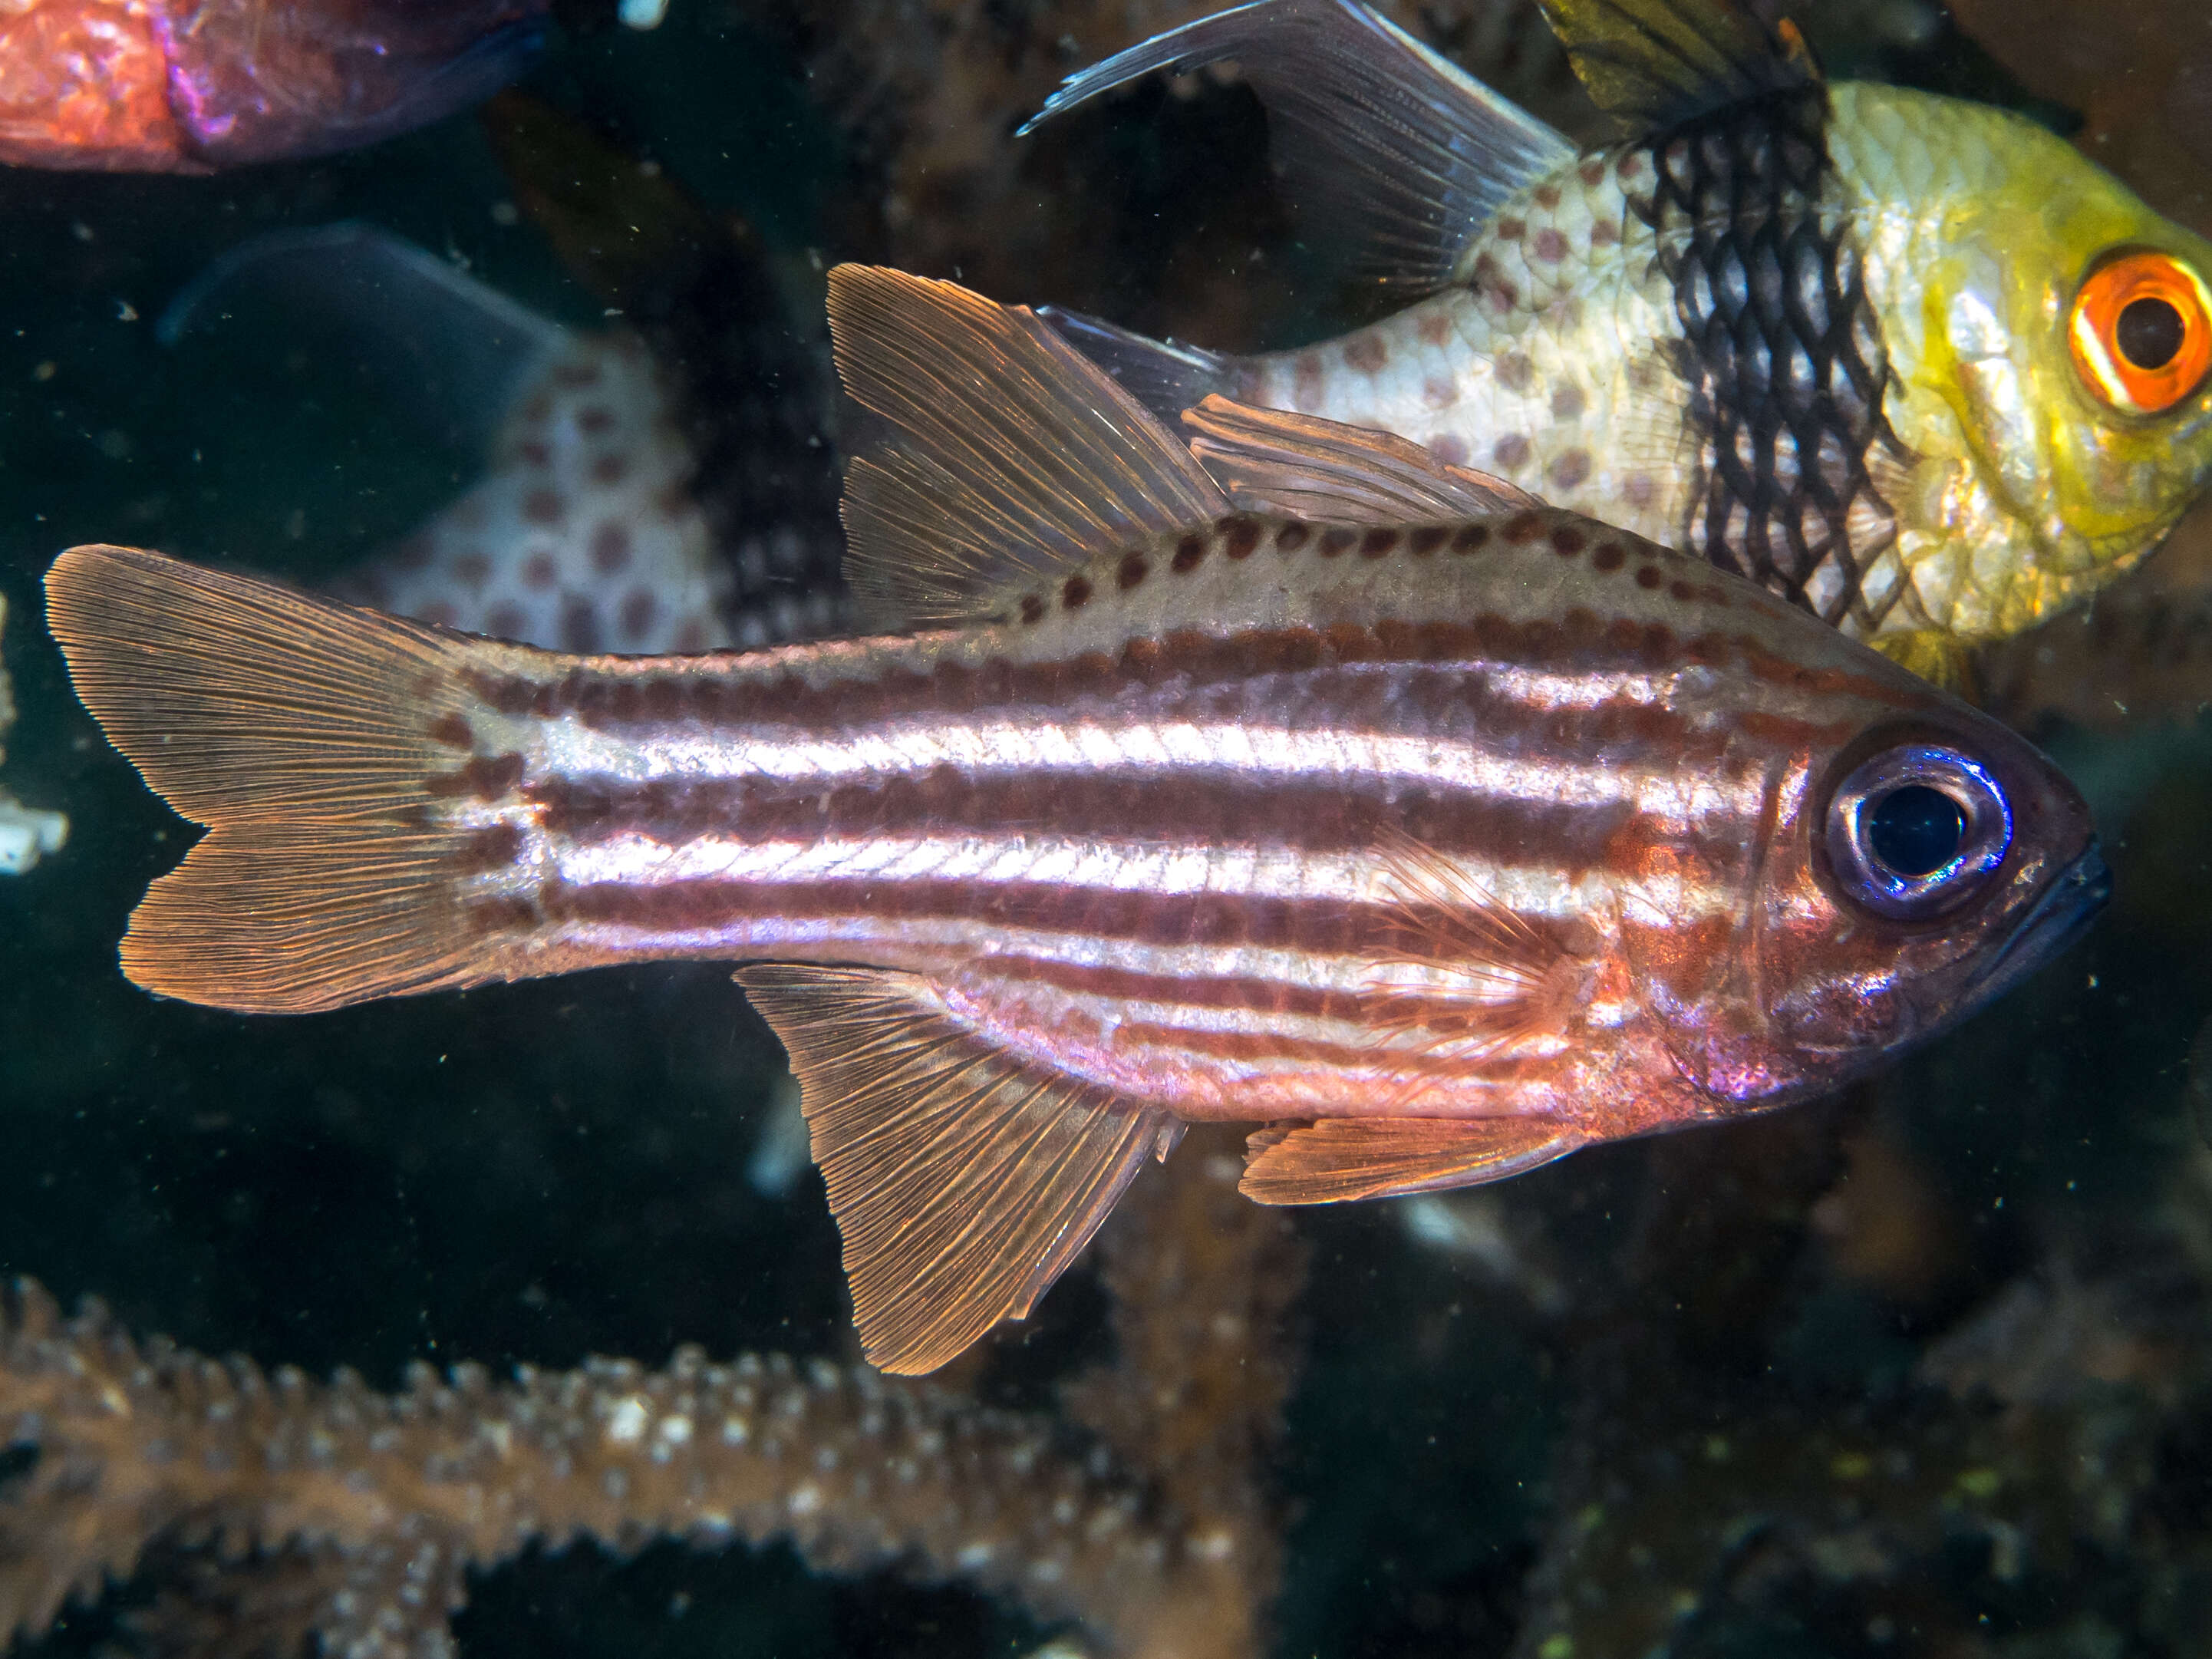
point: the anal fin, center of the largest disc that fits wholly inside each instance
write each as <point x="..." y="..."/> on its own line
<point x="1341" y="1158"/>
<point x="963" y="1181"/>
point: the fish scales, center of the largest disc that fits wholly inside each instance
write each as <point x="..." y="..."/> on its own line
<point x="1727" y="249"/>
<point x="1913" y="363"/>
<point x="1438" y="838"/>
<point x="1185" y="826"/>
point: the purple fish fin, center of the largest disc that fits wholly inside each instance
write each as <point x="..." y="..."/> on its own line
<point x="963" y="1181"/>
<point x="441" y="350"/>
<point x="1384" y="144"/>
<point x="1653" y="62"/>
<point x="1164" y="377"/>
<point x="256" y="82"/>
<point x="1012" y="456"/>
<point x="1301" y="467"/>
<point x="1341" y="1158"/>
<point x="330" y="752"/>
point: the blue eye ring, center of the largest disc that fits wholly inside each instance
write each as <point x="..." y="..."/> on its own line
<point x="1858" y="833"/>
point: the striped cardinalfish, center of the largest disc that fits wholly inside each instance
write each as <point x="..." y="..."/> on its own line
<point x="1912" y="363"/>
<point x="1278" y="775"/>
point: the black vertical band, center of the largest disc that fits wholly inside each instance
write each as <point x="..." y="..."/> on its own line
<point x="1780" y="350"/>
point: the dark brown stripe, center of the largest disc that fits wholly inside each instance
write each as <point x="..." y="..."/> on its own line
<point x="1188" y="659"/>
<point x="496" y="847"/>
<point x="1209" y="919"/>
<point x="1222" y="810"/>
<point x="453" y="730"/>
<point x="487" y="777"/>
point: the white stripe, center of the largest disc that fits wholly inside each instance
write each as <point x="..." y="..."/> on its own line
<point x="636" y="860"/>
<point x="999" y="747"/>
<point x="1534" y="892"/>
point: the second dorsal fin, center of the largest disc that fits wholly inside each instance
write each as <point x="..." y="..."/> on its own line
<point x="1012" y="455"/>
<point x="1301" y="467"/>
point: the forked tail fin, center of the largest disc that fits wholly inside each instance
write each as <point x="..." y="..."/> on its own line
<point x="329" y="751"/>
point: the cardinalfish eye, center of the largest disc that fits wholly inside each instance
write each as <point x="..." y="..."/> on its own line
<point x="1916" y="831"/>
<point x="2142" y="331"/>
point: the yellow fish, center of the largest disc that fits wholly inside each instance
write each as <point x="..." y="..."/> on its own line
<point x="1914" y="363"/>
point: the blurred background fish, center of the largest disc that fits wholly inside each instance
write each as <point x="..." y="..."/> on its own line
<point x="662" y="484"/>
<point x="189" y="86"/>
<point x="1913" y="362"/>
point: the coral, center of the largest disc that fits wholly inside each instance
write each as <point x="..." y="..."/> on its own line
<point x="281" y="1506"/>
<point x="1707" y="1500"/>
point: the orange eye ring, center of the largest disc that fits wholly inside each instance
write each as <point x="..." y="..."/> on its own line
<point x="2142" y="331"/>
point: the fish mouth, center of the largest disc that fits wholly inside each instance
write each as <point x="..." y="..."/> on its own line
<point x="2064" y="912"/>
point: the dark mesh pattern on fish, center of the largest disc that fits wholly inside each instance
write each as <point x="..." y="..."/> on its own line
<point x="1783" y="354"/>
<point x="756" y="404"/>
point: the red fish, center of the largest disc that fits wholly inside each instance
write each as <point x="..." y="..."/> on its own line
<point x="1320" y="785"/>
<point x="187" y="86"/>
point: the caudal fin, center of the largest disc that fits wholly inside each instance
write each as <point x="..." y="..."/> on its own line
<point x="1164" y="377"/>
<point x="329" y="751"/>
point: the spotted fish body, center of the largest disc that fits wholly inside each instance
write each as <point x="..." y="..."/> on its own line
<point x="583" y="533"/>
<point x="588" y="530"/>
<point x="640" y="492"/>
<point x="1442" y="847"/>
<point x="1821" y="334"/>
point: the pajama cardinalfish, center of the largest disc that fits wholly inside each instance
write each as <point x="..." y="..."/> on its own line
<point x="1279" y="774"/>
<point x="1914" y="363"/>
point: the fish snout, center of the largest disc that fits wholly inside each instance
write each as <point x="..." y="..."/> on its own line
<point x="2060" y="914"/>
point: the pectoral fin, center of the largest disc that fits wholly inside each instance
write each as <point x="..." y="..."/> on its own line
<point x="964" y="1182"/>
<point x="1341" y="1158"/>
<point x="1269" y="460"/>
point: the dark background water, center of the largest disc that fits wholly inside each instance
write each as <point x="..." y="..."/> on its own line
<point x="542" y="1171"/>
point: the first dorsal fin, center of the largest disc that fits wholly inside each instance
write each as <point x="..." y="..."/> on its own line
<point x="1342" y="1158"/>
<point x="1014" y="455"/>
<point x="1301" y="467"/>
<point x="964" y="1182"/>
<point x="1383" y="142"/>
<point x="1653" y="62"/>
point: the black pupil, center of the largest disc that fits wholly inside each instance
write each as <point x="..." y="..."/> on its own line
<point x="2149" y="334"/>
<point x="1915" y="830"/>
